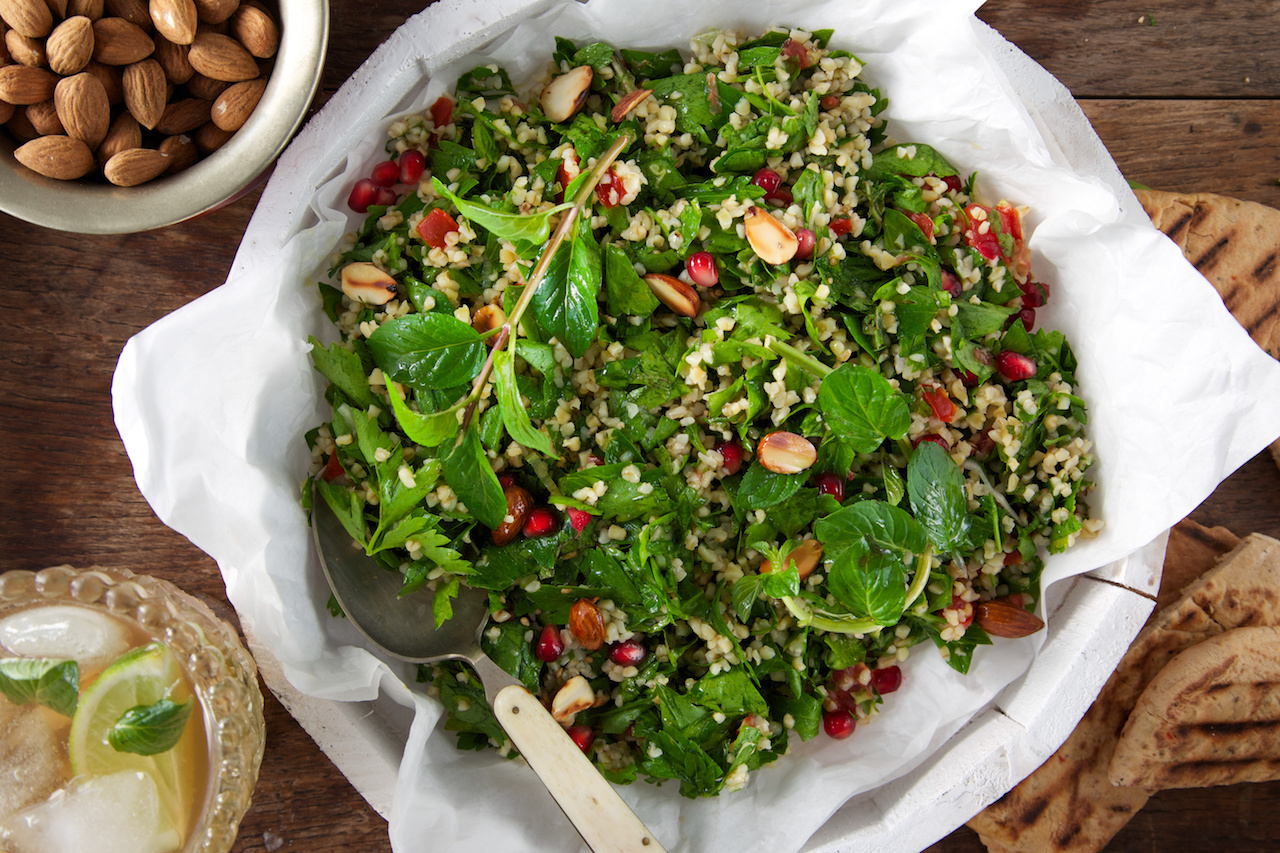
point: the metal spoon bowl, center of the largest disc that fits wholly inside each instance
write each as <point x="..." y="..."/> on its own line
<point x="404" y="628"/>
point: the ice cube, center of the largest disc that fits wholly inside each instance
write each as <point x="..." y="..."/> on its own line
<point x="33" y="755"/>
<point x="118" y="813"/>
<point x="65" y="632"/>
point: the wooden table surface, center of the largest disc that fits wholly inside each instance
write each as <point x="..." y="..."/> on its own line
<point x="1185" y="95"/>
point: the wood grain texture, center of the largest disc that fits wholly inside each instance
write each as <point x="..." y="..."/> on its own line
<point x="1170" y="101"/>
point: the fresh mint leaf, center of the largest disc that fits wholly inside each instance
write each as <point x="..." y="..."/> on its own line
<point x="565" y="303"/>
<point x="761" y="488"/>
<point x="935" y="487"/>
<point x="512" y="652"/>
<point x="469" y="474"/>
<point x="428" y="350"/>
<point x="532" y="228"/>
<point x="870" y="582"/>
<point x="843" y="651"/>
<point x="743" y="595"/>
<point x="881" y="523"/>
<point x="645" y="65"/>
<point x="730" y="693"/>
<point x="862" y="407"/>
<point x="54" y="684"/>
<point x="430" y="430"/>
<point x="150" y="729"/>
<point x="979" y="319"/>
<point x="515" y="417"/>
<point x="342" y="367"/>
<point x="805" y="711"/>
<point x="927" y="161"/>
<point x="625" y="291"/>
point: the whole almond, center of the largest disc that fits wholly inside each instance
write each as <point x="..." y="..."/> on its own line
<point x="20" y="126"/>
<point x="674" y="293"/>
<point x="210" y="138"/>
<point x="586" y="623"/>
<point x="519" y="501"/>
<point x="70" y="45"/>
<point x="175" y="20"/>
<point x="58" y="8"/>
<point x="125" y="133"/>
<point x="111" y="79"/>
<point x="222" y="58"/>
<point x="118" y="42"/>
<point x="805" y="557"/>
<point x="32" y="18"/>
<point x="133" y="11"/>
<point x="135" y="166"/>
<point x="204" y="87"/>
<point x="184" y="116"/>
<point x="216" y="11"/>
<point x="83" y="107"/>
<point x="786" y="453"/>
<point x="233" y="107"/>
<point x="773" y="242"/>
<point x="24" y="49"/>
<point x="63" y="157"/>
<point x="182" y="152"/>
<point x="1001" y="617"/>
<point x="22" y="84"/>
<point x="44" y="118"/>
<point x="173" y="59"/>
<point x="254" y="28"/>
<point x="146" y="90"/>
<point x="91" y="9"/>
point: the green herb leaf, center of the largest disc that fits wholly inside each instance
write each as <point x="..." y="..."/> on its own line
<point x="878" y="522"/>
<point x="428" y="350"/>
<point x="515" y="417"/>
<point x="862" y="407"/>
<point x="729" y="693"/>
<point x="348" y="507"/>
<point x="927" y="161"/>
<point x="150" y="729"/>
<point x="871" y="583"/>
<point x="935" y="487"/>
<point x="625" y="291"/>
<point x="342" y="367"/>
<point x="565" y="303"/>
<point x="54" y="684"/>
<point x="469" y="474"/>
<point x="429" y="430"/>
<point x="532" y="228"/>
<point x="761" y="488"/>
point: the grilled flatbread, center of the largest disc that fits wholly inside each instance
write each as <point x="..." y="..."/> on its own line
<point x="1211" y="717"/>
<point x="1069" y="804"/>
<point x="1236" y="245"/>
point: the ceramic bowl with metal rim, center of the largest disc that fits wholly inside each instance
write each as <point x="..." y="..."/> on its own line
<point x="91" y="205"/>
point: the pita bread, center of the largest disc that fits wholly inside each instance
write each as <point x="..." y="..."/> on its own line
<point x="1211" y="717"/>
<point x="1193" y="550"/>
<point x="1069" y="804"/>
<point x="1233" y="243"/>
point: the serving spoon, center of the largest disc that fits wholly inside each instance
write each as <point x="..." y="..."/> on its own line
<point x="404" y="628"/>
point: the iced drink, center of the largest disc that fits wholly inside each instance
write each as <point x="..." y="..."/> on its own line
<point x="130" y="717"/>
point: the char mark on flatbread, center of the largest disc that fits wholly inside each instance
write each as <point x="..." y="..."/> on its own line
<point x="1209" y="258"/>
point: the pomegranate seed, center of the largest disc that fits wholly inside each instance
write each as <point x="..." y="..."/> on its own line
<point x="1028" y="318"/>
<point x="332" y="469"/>
<point x="550" y="646"/>
<point x="1032" y="295"/>
<point x="412" y="164"/>
<point x="578" y="518"/>
<point x="627" y="653"/>
<point x="982" y="445"/>
<point x="385" y="174"/>
<point x="796" y="50"/>
<point x="506" y="481"/>
<point x="953" y="183"/>
<point x="362" y="195"/>
<point x="781" y="197"/>
<point x="950" y="283"/>
<point x="595" y="459"/>
<point x="1013" y="558"/>
<point x="582" y="736"/>
<point x="935" y="438"/>
<point x="701" y="267"/>
<point x="767" y="180"/>
<point x="540" y="522"/>
<point x="829" y="102"/>
<point x="442" y="111"/>
<point x="841" y="227"/>
<point x="610" y="190"/>
<point x="384" y="197"/>
<point x="807" y="240"/>
<point x="886" y="680"/>
<point x="838" y="724"/>
<point x="969" y="378"/>
<point x="830" y="483"/>
<point x="731" y="453"/>
<point x="963" y="609"/>
<point x="1015" y="366"/>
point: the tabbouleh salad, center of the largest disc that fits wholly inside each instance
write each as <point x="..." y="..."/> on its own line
<point x="775" y="412"/>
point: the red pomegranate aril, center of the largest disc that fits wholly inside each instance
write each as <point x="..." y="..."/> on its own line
<point x="731" y="454"/>
<point x="781" y="197"/>
<point x="796" y="50"/>
<point x="953" y="183"/>
<point x="550" y="645"/>
<point x="362" y="195"/>
<point x="969" y="378"/>
<point x="1028" y="318"/>
<point x="385" y="174"/>
<point x="384" y="197"/>
<point x="886" y="680"/>
<point x="1015" y="366"/>
<point x="807" y="241"/>
<point x="332" y="469"/>
<point x="951" y="283"/>
<point x="582" y="736"/>
<point x="1013" y="558"/>
<point x="627" y="653"/>
<point x="830" y="483"/>
<point x="412" y="164"/>
<point x="701" y="267"/>
<point x="838" y="724"/>
<point x="841" y="227"/>
<point x="610" y="190"/>
<point x="982" y="444"/>
<point x="829" y="102"/>
<point x="578" y="518"/>
<point x="435" y="226"/>
<point x="540" y="522"/>
<point x="506" y="481"/>
<point x="767" y="180"/>
<point x="935" y="438"/>
<point x="1032" y="295"/>
<point x="442" y="111"/>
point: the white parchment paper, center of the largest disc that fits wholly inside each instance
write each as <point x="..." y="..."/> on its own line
<point x="212" y="401"/>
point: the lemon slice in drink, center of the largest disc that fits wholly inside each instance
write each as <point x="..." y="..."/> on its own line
<point x="142" y="676"/>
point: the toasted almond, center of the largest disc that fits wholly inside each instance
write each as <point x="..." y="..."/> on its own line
<point x="805" y="557"/>
<point x="62" y="157"/>
<point x="182" y="152"/>
<point x="184" y="116"/>
<point x="70" y="45"/>
<point x="204" y="87"/>
<point x="20" y="126"/>
<point x="574" y="696"/>
<point x="773" y="242"/>
<point x="175" y="20"/>
<point x="32" y="18"/>
<point x="1001" y="617"/>
<point x="222" y="58"/>
<point x="486" y="319"/>
<point x="586" y="623"/>
<point x="83" y="107"/>
<point x="674" y="293"/>
<point x="363" y="282"/>
<point x="629" y="102"/>
<point x="146" y="90"/>
<point x="24" y="49"/>
<point x="785" y="452"/>
<point x="216" y="11"/>
<point x="111" y="79"/>
<point x="119" y="42"/>
<point x="173" y="59"/>
<point x="233" y="107"/>
<point x="91" y="9"/>
<point x="22" y="84"/>
<point x="519" y="501"/>
<point x="133" y="11"/>
<point x="44" y="118"/>
<point x="135" y="166"/>
<point x="254" y="28"/>
<point x="124" y="133"/>
<point x="209" y="138"/>
<point x="566" y="94"/>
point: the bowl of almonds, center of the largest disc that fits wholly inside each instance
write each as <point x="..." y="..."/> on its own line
<point x="119" y="116"/>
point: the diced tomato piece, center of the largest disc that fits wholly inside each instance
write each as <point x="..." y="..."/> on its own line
<point x="435" y="226"/>
<point x="943" y="409"/>
<point x="841" y="227"/>
<point x="829" y="102"/>
<point x="1013" y="558"/>
<point x="1010" y="220"/>
<point x="332" y="469"/>
<point x="925" y="221"/>
<point x="796" y="50"/>
<point x="578" y="518"/>
<point x="987" y="243"/>
<point x="442" y="111"/>
<point x="953" y="183"/>
<point x="610" y="190"/>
